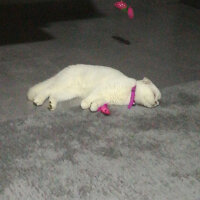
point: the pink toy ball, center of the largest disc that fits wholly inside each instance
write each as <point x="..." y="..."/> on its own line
<point x="120" y="5"/>
<point x="104" y="109"/>
<point x="123" y="6"/>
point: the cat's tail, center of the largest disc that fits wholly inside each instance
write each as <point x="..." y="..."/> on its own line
<point x="38" y="89"/>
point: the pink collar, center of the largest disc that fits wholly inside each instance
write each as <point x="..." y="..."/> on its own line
<point x="132" y="99"/>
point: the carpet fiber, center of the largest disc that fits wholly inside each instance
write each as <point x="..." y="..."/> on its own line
<point x="136" y="154"/>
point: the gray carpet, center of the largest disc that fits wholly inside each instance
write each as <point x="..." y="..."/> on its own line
<point x="71" y="154"/>
<point x="133" y="154"/>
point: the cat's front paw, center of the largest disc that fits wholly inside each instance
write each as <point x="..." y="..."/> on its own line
<point x="85" y="104"/>
<point x="94" y="106"/>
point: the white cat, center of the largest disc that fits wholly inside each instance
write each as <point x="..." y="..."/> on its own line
<point x="96" y="85"/>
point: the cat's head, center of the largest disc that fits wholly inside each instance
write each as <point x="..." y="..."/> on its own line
<point x="147" y="94"/>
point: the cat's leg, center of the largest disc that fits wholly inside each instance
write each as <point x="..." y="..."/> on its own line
<point x="93" y="101"/>
<point x="109" y="93"/>
<point x="37" y="91"/>
<point x="40" y="98"/>
<point x="96" y="104"/>
<point x="52" y="103"/>
<point x="58" y="96"/>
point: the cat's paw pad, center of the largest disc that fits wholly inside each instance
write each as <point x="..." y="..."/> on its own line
<point x="52" y="105"/>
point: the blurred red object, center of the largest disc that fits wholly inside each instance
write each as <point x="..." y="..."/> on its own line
<point x="120" y="4"/>
<point x="130" y="13"/>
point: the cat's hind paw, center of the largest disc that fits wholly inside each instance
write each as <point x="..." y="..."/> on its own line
<point x="52" y="104"/>
<point x="38" y="101"/>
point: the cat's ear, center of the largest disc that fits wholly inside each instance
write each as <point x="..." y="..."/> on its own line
<point x="146" y="80"/>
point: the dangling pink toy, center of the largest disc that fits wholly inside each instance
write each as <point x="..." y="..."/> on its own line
<point x="130" y="13"/>
<point x="104" y="109"/>
<point x="123" y="6"/>
<point x="120" y="5"/>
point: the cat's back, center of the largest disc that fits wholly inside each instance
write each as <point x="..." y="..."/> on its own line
<point x="88" y="75"/>
<point x="93" y="70"/>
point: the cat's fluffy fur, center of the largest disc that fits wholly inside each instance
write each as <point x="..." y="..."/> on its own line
<point x="96" y="85"/>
